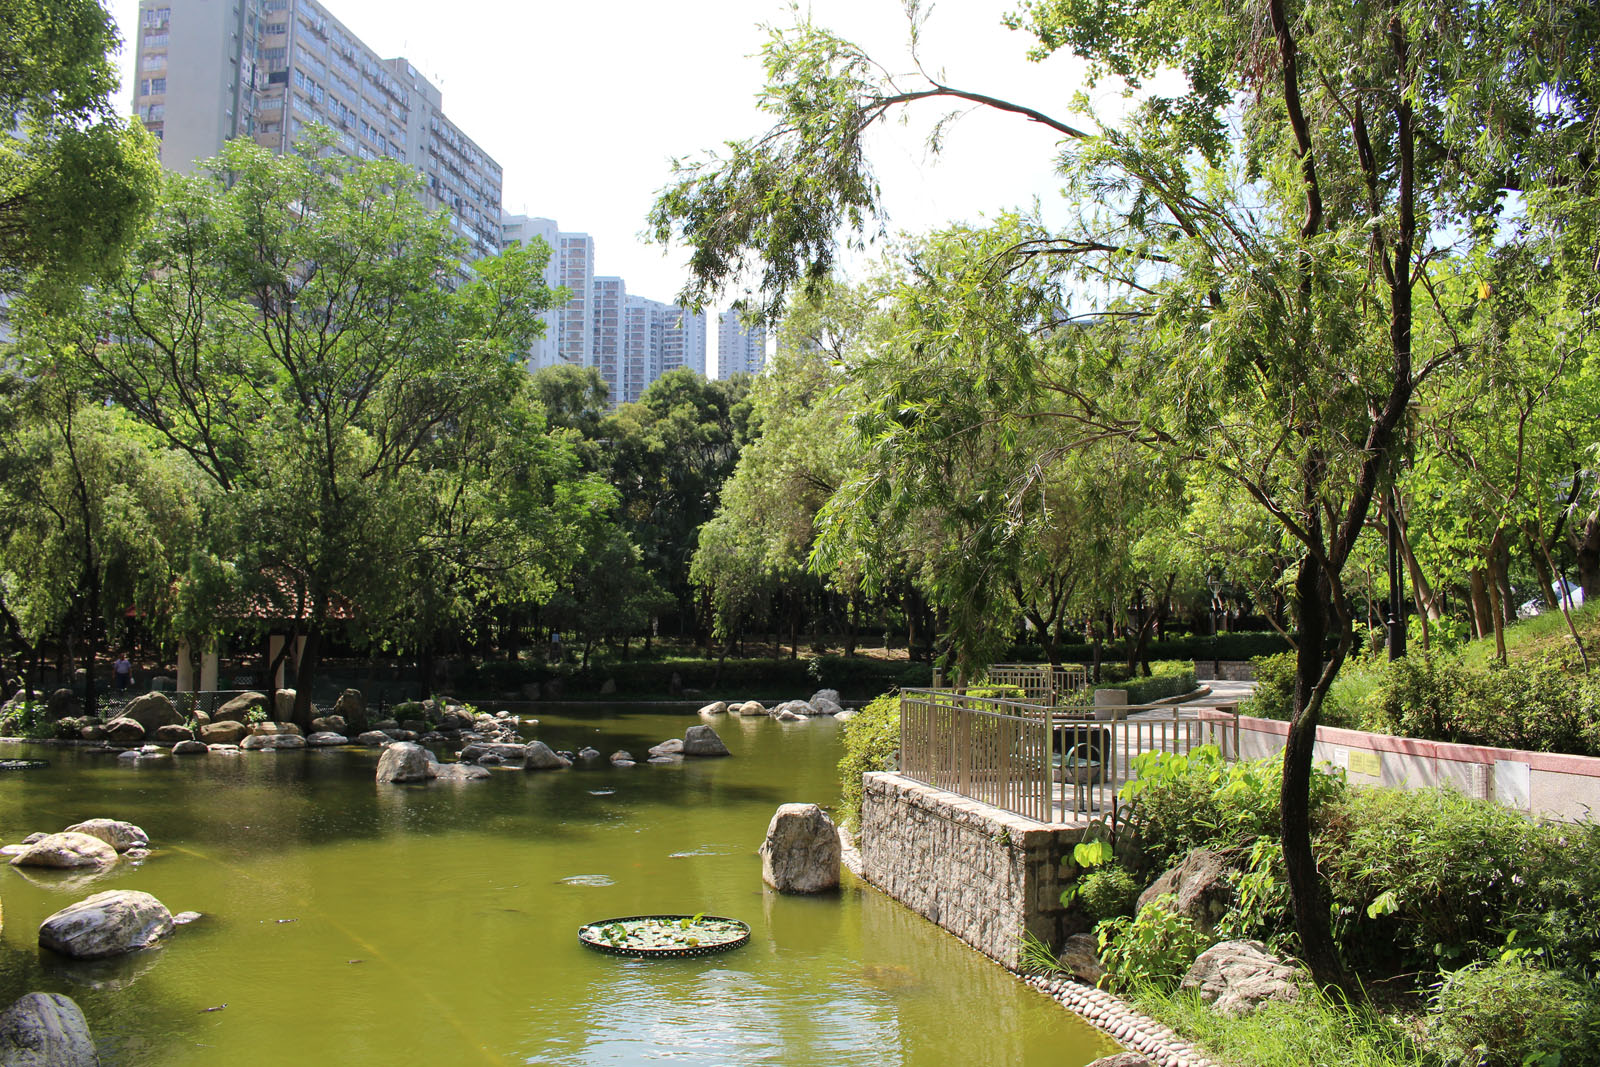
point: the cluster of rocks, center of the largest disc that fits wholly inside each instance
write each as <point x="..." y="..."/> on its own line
<point x="823" y="703"/>
<point x="96" y="843"/>
<point x="1235" y="977"/>
<point x="408" y="761"/>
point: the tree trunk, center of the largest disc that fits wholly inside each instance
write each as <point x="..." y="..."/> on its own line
<point x="1541" y="569"/>
<point x="305" y="674"/>
<point x="1300" y="864"/>
<point x="1482" y="613"/>
<point x="1587" y="550"/>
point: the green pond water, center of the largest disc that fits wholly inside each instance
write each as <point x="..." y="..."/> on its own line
<point x="352" y="923"/>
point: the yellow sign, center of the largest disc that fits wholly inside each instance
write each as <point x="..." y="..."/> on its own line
<point x="1364" y="762"/>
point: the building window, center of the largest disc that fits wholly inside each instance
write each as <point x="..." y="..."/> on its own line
<point x="158" y="85"/>
<point x="156" y="40"/>
<point x="158" y="62"/>
<point x="277" y="27"/>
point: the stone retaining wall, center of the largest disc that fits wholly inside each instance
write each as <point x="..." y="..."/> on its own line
<point x="985" y="875"/>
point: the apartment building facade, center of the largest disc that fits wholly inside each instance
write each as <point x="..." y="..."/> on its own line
<point x="740" y="350"/>
<point x="208" y="71"/>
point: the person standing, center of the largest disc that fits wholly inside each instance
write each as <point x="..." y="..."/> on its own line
<point x="122" y="673"/>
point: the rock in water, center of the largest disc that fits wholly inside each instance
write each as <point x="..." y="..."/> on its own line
<point x="45" y="1030"/>
<point x="237" y="709"/>
<point x="404" y="761"/>
<point x="801" y="852"/>
<point x="226" y="732"/>
<point x="718" y="708"/>
<point x="171" y="735"/>
<point x="152" y="710"/>
<point x="458" y="772"/>
<point x="539" y="757"/>
<point x="124" y="731"/>
<point x="107" y="924"/>
<point x="272" y="742"/>
<point x="670" y="747"/>
<point x="374" y="738"/>
<point x="119" y="835"/>
<point x="189" y="748"/>
<point x="1237" y="977"/>
<point x="66" y="850"/>
<point x="703" y="741"/>
<point x="352" y="707"/>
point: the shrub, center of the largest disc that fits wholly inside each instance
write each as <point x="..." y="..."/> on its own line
<point x="1274" y="694"/>
<point x="1178" y="803"/>
<point x="871" y="742"/>
<point x="1514" y="1012"/>
<point x="1428" y="877"/>
<point x="1168" y="678"/>
<point x="1106" y="893"/>
<point x="1156" y="948"/>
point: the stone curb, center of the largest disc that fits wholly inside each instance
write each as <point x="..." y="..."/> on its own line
<point x="1116" y="1017"/>
<point x="1099" y="1009"/>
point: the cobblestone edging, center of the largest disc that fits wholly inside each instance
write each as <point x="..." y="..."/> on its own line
<point x="1100" y="1009"/>
<point x="1139" y="1033"/>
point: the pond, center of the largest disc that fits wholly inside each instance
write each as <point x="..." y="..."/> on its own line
<point x="355" y="923"/>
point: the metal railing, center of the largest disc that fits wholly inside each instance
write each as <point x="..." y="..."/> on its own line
<point x="1046" y="763"/>
<point x="1040" y="683"/>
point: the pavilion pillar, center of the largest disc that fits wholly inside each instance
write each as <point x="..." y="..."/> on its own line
<point x="208" y="667"/>
<point x="185" y="666"/>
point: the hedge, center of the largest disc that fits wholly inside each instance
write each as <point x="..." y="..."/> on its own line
<point x="1229" y="646"/>
<point x="1168" y="678"/>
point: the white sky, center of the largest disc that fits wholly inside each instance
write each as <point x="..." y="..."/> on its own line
<point x="585" y="104"/>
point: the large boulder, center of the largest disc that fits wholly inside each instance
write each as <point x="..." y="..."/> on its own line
<point x="63" y="704"/>
<point x="171" y="734"/>
<point x="190" y="748"/>
<point x="227" y="732"/>
<point x="67" y="849"/>
<point x="271" y="742"/>
<point x="152" y="710"/>
<point x="268" y="729"/>
<point x="283" y="704"/>
<point x="123" y="731"/>
<point x="826" y="702"/>
<point x="670" y="747"/>
<point x="239" y="708"/>
<point x="749" y="708"/>
<point x="801" y="852"/>
<point x="326" y="739"/>
<point x="538" y="756"/>
<point x="703" y="741"/>
<point x="710" y="710"/>
<point x="373" y="738"/>
<point x="1080" y="957"/>
<point x="329" y="724"/>
<point x="352" y="707"/>
<point x="1237" y="977"/>
<point x="106" y="924"/>
<point x="119" y="835"/>
<point x="45" y="1030"/>
<point x="405" y="761"/>
<point x="1200" y="886"/>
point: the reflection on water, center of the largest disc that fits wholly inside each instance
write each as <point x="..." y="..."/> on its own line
<point x="348" y="922"/>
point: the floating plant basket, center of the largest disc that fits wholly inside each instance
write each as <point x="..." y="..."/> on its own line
<point x="23" y="764"/>
<point x="657" y="936"/>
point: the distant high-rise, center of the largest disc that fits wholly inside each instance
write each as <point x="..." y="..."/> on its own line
<point x="739" y="350"/>
<point x="660" y="338"/>
<point x="610" y="303"/>
<point x="208" y="71"/>
<point x="524" y="230"/>
<point x="575" y="344"/>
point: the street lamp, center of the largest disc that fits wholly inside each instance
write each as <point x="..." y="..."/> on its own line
<point x="1215" y="585"/>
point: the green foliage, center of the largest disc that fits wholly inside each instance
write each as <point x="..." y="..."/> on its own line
<point x="1106" y="893"/>
<point x="1156" y="947"/>
<point x="76" y="182"/>
<point x="1036" y="957"/>
<point x="1429" y="878"/>
<point x="1260" y="908"/>
<point x="1316" y="1030"/>
<point x="1273" y="697"/>
<point x="1201" y="649"/>
<point x="1179" y="803"/>
<point x="255" y="715"/>
<point x="871" y="742"/>
<point x="1168" y="678"/>
<point x="1514" y="1012"/>
<point x="1532" y="705"/>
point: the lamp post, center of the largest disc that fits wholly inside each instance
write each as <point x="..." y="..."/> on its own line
<point x="1216" y="653"/>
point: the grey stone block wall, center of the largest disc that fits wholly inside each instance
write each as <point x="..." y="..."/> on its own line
<point x="983" y="874"/>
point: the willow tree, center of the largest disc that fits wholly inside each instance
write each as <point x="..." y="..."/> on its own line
<point x="1245" y="283"/>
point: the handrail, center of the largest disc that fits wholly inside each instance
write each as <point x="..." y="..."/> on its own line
<point x="1038" y="760"/>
